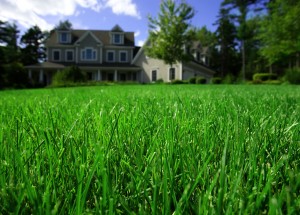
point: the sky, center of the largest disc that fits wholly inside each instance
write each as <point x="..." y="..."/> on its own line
<point x="131" y="15"/>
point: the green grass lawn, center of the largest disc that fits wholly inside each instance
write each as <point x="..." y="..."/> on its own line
<point x="154" y="149"/>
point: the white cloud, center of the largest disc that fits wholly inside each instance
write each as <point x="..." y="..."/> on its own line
<point x="124" y="7"/>
<point x="141" y="43"/>
<point x="137" y="33"/>
<point x="32" y="12"/>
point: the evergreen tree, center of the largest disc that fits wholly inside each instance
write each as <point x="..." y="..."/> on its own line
<point x="34" y="50"/>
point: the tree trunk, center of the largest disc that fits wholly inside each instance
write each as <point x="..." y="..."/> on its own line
<point x="243" y="60"/>
<point x="297" y="60"/>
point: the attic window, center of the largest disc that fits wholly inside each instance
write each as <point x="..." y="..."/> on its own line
<point x="117" y="38"/>
<point x="64" y="37"/>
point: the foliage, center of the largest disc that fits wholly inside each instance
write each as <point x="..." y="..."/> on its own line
<point x="159" y="81"/>
<point x="228" y="79"/>
<point x="226" y="59"/>
<point x="280" y="31"/>
<point x="34" y="50"/>
<point x="264" y="76"/>
<point x="64" y="25"/>
<point x="201" y="80"/>
<point x="177" y="81"/>
<point x="14" y="76"/>
<point x="216" y="80"/>
<point x="68" y="76"/>
<point x="192" y="80"/>
<point x="293" y="75"/>
<point x="170" y="32"/>
<point x="154" y="149"/>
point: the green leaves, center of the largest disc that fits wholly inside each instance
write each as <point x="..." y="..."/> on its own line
<point x="170" y="32"/>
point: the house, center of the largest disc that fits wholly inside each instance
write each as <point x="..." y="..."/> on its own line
<point x="155" y="69"/>
<point x="110" y="56"/>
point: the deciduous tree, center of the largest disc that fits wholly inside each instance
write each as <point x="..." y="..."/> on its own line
<point x="170" y="32"/>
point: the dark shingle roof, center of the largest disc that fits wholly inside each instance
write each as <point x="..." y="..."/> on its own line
<point x="103" y="36"/>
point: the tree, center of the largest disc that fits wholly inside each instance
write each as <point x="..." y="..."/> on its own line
<point x="64" y="25"/>
<point x="243" y="7"/>
<point x="34" y="50"/>
<point x="280" y="32"/>
<point x="226" y="34"/>
<point x="170" y="32"/>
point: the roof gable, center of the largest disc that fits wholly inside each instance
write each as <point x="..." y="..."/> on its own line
<point x="86" y="34"/>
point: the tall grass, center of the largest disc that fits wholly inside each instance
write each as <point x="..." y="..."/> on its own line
<point x="150" y="150"/>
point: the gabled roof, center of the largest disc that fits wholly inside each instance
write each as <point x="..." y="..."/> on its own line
<point x="103" y="36"/>
<point x="85" y="35"/>
<point x="117" y="28"/>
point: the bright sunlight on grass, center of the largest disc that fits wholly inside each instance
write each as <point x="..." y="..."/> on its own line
<point x="150" y="150"/>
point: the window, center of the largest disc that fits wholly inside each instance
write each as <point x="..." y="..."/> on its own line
<point x="123" y="56"/>
<point x="117" y="38"/>
<point x="89" y="54"/>
<point x="172" y="74"/>
<point x="56" y="55"/>
<point x="110" y="56"/>
<point x="64" y="37"/>
<point x="69" y="55"/>
<point x="154" y="75"/>
<point x="198" y="56"/>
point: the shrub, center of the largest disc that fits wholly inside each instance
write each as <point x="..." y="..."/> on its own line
<point x="69" y="75"/>
<point x="229" y="79"/>
<point x="264" y="76"/>
<point x="257" y="81"/>
<point x="192" y="80"/>
<point x="159" y="81"/>
<point x="293" y="75"/>
<point x="216" y="80"/>
<point x="201" y="80"/>
<point x="176" y="81"/>
<point x="273" y="82"/>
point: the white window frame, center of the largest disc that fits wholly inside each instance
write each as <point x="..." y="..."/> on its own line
<point x="121" y="38"/>
<point x="56" y="50"/>
<point x="68" y="37"/>
<point x="66" y="55"/>
<point x="114" y="54"/>
<point x="120" y="59"/>
<point x="83" y="58"/>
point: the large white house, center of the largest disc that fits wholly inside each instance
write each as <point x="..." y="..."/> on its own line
<point x="112" y="56"/>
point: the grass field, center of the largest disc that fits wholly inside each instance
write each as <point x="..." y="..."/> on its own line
<point x="150" y="150"/>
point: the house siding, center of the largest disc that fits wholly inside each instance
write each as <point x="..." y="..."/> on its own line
<point x="149" y="64"/>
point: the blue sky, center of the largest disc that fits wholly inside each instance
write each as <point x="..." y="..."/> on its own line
<point x="131" y="15"/>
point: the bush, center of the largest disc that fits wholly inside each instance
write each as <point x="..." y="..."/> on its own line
<point x="229" y="79"/>
<point x="68" y="76"/>
<point x="264" y="76"/>
<point x="159" y="81"/>
<point x="201" y="80"/>
<point x="293" y="75"/>
<point x="216" y="80"/>
<point x="176" y="81"/>
<point x="192" y="80"/>
<point x="273" y="82"/>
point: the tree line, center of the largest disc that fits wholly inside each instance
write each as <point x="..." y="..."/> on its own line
<point x="251" y="36"/>
<point x="17" y="51"/>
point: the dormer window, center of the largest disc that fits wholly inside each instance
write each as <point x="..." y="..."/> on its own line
<point x="64" y="37"/>
<point x="117" y="38"/>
